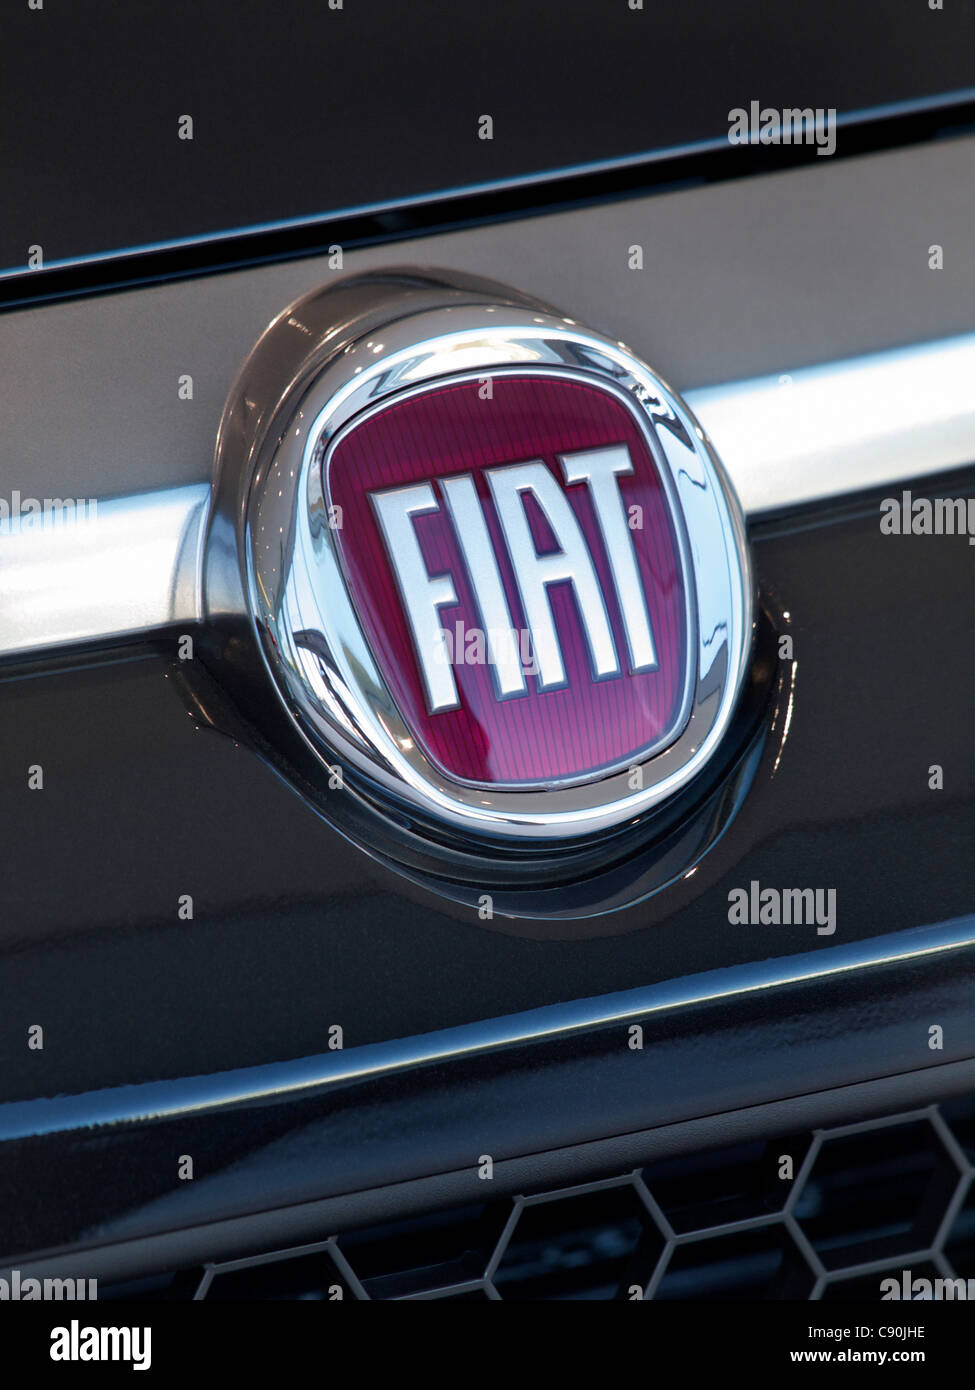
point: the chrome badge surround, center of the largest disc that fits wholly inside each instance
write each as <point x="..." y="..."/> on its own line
<point x="272" y="559"/>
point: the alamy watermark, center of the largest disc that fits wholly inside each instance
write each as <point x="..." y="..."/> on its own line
<point x="508" y="649"/>
<point x="792" y="125"/>
<point x="908" y="515"/>
<point x="19" y="514"/>
<point x="756" y="906"/>
<point x="77" y="1343"/>
<point x="17" y="1289"/>
<point x="910" y="1289"/>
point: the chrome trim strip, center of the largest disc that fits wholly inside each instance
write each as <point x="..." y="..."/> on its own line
<point x="128" y="568"/>
<point x="844" y="426"/>
<point x="287" y="1081"/>
<point x="886" y="418"/>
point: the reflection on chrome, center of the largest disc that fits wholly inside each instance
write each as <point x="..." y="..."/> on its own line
<point x="131" y="569"/>
<point x="848" y="425"/>
<point x="787" y="722"/>
<point x="828" y="430"/>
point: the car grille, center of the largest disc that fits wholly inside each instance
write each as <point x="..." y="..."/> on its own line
<point x="825" y="1214"/>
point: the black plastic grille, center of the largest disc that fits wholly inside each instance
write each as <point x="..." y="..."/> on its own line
<point x="818" y="1215"/>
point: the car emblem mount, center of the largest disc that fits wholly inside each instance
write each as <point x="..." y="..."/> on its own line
<point x="477" y="584"/>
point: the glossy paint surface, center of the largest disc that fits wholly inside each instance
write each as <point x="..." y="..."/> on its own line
<point x="294" y="931"/>
<point x="348" y="107"/>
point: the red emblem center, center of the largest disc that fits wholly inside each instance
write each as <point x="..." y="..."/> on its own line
<point x="511" y="551"/>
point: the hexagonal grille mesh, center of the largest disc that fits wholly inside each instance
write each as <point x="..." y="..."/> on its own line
<point x="818" y="1215"/>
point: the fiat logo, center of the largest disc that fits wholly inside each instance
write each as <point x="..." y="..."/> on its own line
<point x="489" y="560"/>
